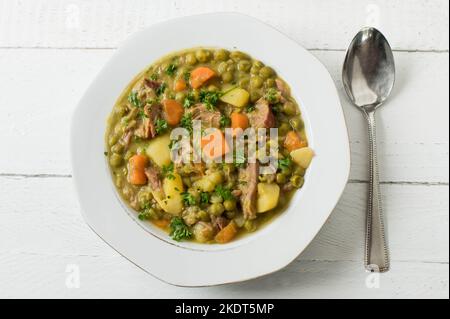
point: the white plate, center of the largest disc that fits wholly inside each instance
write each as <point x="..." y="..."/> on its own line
<point x="268" y="249"/>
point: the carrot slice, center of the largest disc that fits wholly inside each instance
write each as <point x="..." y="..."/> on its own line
<point x="161" y="223"/>
<point x="180" y="85"/>
<point x="214" y="144"/>
<point x="227" y="233"/>
<point x="293" y="141"/>
<point x="136" y="174"/>
<point x="173" y="111"/>
<point x="200" y="75"/>
<point x="239" y="120"/>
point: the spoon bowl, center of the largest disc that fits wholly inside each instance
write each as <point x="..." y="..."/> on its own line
<point x="369" y="69"/>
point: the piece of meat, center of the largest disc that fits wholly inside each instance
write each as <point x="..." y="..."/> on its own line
<point x="153" y="113"/>
<point x="126" y="138"/>
<point x="153" y="179"/>
<point x="261" y="116"/>
<point x="236" y="193"/>
<point x="208" y="118"/>
<point x="152" y="84"/>
<point x="249" y="176"/>
<point x="282" y="87"/>
<point x="219" y="222"/>
<point x="144" y="129"/>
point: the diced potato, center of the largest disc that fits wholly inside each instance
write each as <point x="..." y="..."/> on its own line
<point x="172" y="202"/>
<point x="209" y="182"/>
<point x="268" y="195"/>
<point x="303" y="156"/>
<point x="158" y="150"/>
<point x="237" y="97"/>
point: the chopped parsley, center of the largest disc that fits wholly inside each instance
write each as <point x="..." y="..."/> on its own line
<point x="161" y="126"/>
<point x="105" y="153"/>
<point x="171" y="69"/>
<point x="239" y="159"/>
<point x="250" y="108"/>
<point x="224" y="121"/>
<point x="179" y="230"/>
<point x="204" y="198"/>
<point x="160" y="90"/>
<point x="146" y="212"/>
<point x="272" y="96"/>
<point x="186" y="122"/>
<point x="188" y="199"/>
<point x="189" y="100"/>
<point x="209" y="98"/>
<point x="133" y="99"/>
<point x="224" y="192"/>
<point x="167" y="171"/>
<point x="284" y="163"/>
<point x="142" y="115"/>
<point x="187" y="76"/>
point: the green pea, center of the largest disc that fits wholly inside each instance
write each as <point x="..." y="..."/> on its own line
<point x="238" y="55"/>
<point x="254" y="70"/>
<point x="299" y="170"/>
<point x="191" y="59"/>
<point x="250" y="225"/>
<point x="256" y="82"/>
<point x="222" y="67"/>
<point x="216" y="199"/>
<point x="119" y="181"/>
<point x="144" y="197"/>
<point x="244" y="65"/>
<point x="117" y="148"/>
<point x="121" y="110"/>
<point x="113" y="139"/>
<point x="289" y="108"/>
<point x="284" y="128"/>
<point x="202" y="55"/>
<point x="216" y="209"/>
<point x="230" y="65"/>
<point x="270" y="83"/>
<point x="115" y="160"/>
<point x="212" y="88"/>
<point x="180" y="96"/>
<point x="128" y="155"/>
<point x="203" y="216"/>
<point x="257" y="64"/>
<point x="243" y="82"/>
<point x="255" y="95"/>
<point x="297" y="181"/>
<point x="286" y="170"/>
<point x="221" y="55"/>
<point x="281" y="178"/>
<point x="227" y="77"/>
<point x="266" y="72"/>
<point x="229" y="204"/>
<point x="296" y="123"/>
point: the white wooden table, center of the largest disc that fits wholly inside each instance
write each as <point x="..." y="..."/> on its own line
<point x="50" y="51"/>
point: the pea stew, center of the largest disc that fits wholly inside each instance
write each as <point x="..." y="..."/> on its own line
<point x="207" y="201"/>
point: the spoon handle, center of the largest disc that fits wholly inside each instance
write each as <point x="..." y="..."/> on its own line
<point x="376" y="250"/>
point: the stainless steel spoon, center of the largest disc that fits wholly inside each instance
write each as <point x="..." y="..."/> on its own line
<point x="368" y="76"/>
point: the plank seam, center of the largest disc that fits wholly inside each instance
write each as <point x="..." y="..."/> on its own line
<point x="351" y="181"/>
<point x="114" y="48"/>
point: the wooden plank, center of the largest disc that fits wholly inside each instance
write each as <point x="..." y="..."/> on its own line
<point x="409" y="24"/>
<point x="40" y="276"/>
<point x="42" y="87"/>
<point x="41" y="216"/>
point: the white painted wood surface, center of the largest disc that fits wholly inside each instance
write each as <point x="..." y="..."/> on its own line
<point x="51" y="50"/>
